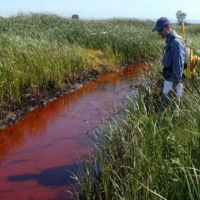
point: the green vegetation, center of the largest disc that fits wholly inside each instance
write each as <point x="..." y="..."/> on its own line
<point x="150" y="151"/>
<point x="30" y="65"/>
<point x="39" y="52"/>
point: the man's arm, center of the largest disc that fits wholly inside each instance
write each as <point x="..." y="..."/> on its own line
<point x="178" y="54"/>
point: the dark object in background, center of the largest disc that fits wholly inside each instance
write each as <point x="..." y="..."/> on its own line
<point x="75" y="16"/>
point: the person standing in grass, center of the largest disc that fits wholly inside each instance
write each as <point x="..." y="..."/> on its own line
<point x="174" y="57"/>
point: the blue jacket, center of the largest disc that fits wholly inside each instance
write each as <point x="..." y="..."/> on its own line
<point x="174" y="58"/>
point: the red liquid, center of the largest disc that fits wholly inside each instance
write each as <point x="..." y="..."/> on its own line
<point x="38" y="153"/>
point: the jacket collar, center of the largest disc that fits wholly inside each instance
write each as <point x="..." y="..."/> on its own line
<point x="170" y="37"/>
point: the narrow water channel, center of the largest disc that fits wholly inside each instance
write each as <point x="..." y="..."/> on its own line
<point x="38" y="153"/>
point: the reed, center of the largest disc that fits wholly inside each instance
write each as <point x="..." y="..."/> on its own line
<point x="39" y="52"/>
<point x="148" y="151"/>
<point x="29" y="66"/>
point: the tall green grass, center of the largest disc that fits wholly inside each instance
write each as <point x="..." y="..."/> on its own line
<point x="148" y="151"/>
<point x="124" y="36"/>
<point x="41" y="51"/>
<point x="30" y="66"/>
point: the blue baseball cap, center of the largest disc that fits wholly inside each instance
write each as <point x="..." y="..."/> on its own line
<point x="161" y="23"/>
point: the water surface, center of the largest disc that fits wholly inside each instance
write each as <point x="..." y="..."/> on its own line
<point x="39" y="153"/>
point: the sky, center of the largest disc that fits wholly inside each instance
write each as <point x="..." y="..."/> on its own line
<point x="103" y="9"/>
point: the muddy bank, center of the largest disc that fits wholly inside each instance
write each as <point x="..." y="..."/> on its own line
<point x="13" y="112"/>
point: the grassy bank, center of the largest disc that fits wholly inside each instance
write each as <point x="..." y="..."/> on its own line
<point x="150" y="151"/>
<point x="29" y="65"/>
<point x="43" y="54"/>
<point x="39" y="52"/>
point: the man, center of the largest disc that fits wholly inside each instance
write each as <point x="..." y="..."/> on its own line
<point x="174" y="57"/>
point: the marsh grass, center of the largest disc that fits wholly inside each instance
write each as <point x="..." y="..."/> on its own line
<point x="30" y="67"/>
<point x="148" y="151"/>
<point x="39" y="52"/>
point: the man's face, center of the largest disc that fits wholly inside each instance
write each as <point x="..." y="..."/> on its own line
<point x="164" y="32"/>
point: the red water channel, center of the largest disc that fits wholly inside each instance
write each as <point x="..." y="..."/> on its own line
<point x="39" y="153"/>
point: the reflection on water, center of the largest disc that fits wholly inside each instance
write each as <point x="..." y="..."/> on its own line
<point x="37" y="153"/>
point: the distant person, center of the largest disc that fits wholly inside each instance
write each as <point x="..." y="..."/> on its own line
<point x="174" y="57"/>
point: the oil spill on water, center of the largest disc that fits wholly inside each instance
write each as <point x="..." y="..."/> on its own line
<point x="39" y="153"/>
